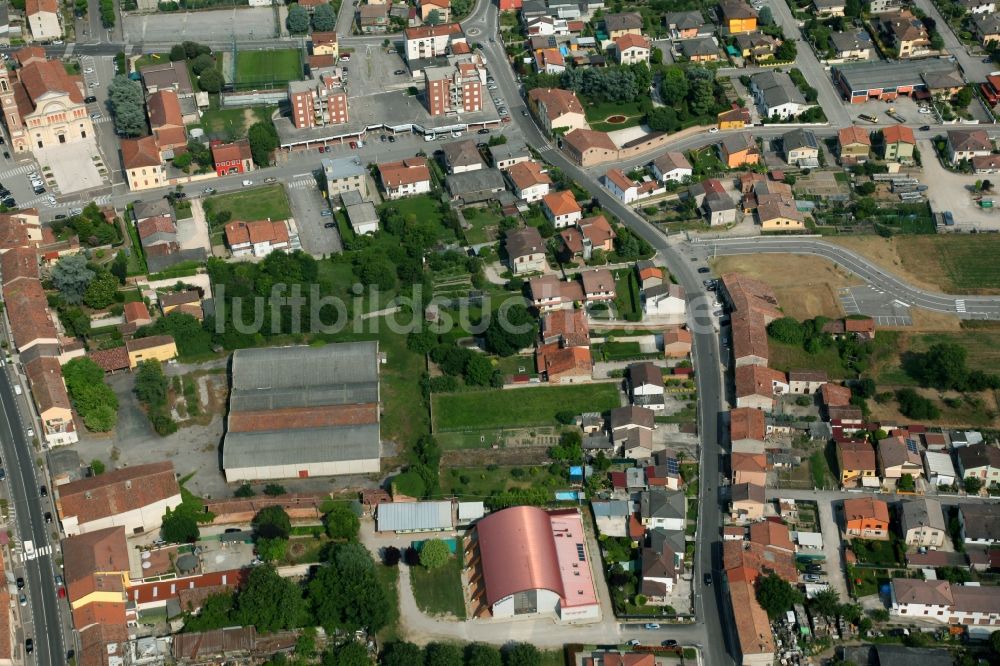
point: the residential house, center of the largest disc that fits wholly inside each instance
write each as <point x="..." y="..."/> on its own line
<point x="855" y="145"/>
<point x="406" y="177"/>
<point x="772" y="536"/>
<point x="664" y="300"/>
<point x="898" y="144"/>
<point x="442" y="7"/>
<point x="167" y="122"/>
<point x="684" y="25"/>
<point x="548" y="292"/>
<point x="905" y="32"/>
<point x="598" y="284"/>
<point x="754" y="305"/>
<point x="979" y="6"/>
<point x="780" y="214"/>
<point x="968" y="144"/>
<point x="801" y="148"/>
<point x="525" y="251"/>
<point x="866" y="518"/>
<point x="96" y="575"/>
<point x="663" y="509"/>
<point x="373" y="18"/>
<point x="700" y="49"/>
<point x="587" y="147"/>
<point x="529" y="180"/>
<point x="856" y="460"/>
<point x="564" y="365"/>
<point x="922" y="523"/>
<point x="593" y="233"/>
<point x="557" y="109"/>
<point x="747" y="429"/>
<point x="569" y="328"/>
<point x="561" y="208"/>
<point x="805" y="382"/>
<point x="986" y="164"/>
<point x="611" y="517"/>
<point x="621" y="24"/>
<point x="661" y="567"/>
<point x="324" y="43"/>
<point x="748" y="468"/>
<point x="628" y="190"/>
<point x="970" y="604"/>
<point x="187" y="302"/>
<point x="645" y="385"/>
<point x="777" y="96"/>
<point x="43" y="19"/>
<point x="739" y="150"/>
<point x="719" y="209"/>
<point x="343" y="174"/>
<point x="134" y="497"/>
<point x="232" y="158"/>
<point x="754" y="637"/>
<point x="676" y="342"/>
<point x="160" y="348"/>
<point x="883" y="6"/>
<point x="136" y="314"/>
<point x="756" y="46"/>
<point x="550" y="61"/>
<point x="141" y="160"/>
<point x="829" y="8"/>
<point x="834" y="395"/>
<point x="258" y="238"/>
<point x="167" y="76"/>
<point x="939" y="468"/>
<point x="737" y="117"/>
<point x="632" y="49"/>
<point x="431" y="41"/>
<point x="979" y="523"/>
<point x="898" y="456"/>
<point x="851" y="45"/>
<point x="747" y="502"/>
<point x="737" y="16"/>
<point x="508" y="154"/>
<point x="360" y="213"/>
<point x="979" y="461"/>
<point x="624" y="423"/>
<point x="649" y="274"/>
<point x="987" y="27"/>
<point x="462" y="156"/>
<point x="756" y="386"/>
<point x="48" y="391"/>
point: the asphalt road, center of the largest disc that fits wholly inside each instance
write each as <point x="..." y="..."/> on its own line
<point x="965" y="307"/>
<point x="42" y="620"/>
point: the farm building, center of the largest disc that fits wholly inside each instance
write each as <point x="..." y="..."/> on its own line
<point x="303" y="411"/>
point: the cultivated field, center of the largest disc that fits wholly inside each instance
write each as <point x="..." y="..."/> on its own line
<point x="806" y="286"/>
<point x="534" y="406"/>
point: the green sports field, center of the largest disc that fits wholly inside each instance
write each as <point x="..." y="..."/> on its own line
<point x="274" y="68"/>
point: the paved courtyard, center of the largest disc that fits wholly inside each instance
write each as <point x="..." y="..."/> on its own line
<point x="192" y="233"/>
<point x="950" y="191"/>
<point x="209" y="26"/>
<point x="307" y="206"/>
<point x="73" y="165"/>
<point x="867" y="300"/>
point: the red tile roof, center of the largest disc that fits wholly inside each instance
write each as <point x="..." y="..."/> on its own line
<point x="866" y="508"/>
<point x="835" y="395"/>
<point x="557" y="102"/>
<point x="155" y="225"/>
<point x="853" y="135"/>
<point x="19" y="263"/>
<point x="137" y="153"/>
<point x="116" y="492"/>
<point x="47" y="387"/>
<point x="260" y="231"/>
<point x="898" y="133"/>
<point x="561" y="203"/>
<point x="405" y="172"/>
<point x="136" y="311"/>
<point x="747" y="423"/>
<point x="858" y="456"/>
<point x="29" y="315"/>
<point x="228" y="152"/>
<point x="111" y="360"/>
<point x="32" y="7"/>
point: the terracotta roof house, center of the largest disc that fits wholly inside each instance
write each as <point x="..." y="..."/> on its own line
<point x="405" y="177"/>
<point x="136" y="313"/>
<point x="747" y="429"/>
<point x="569" y="328"/>
<point x="749" y="468"/>
<point x="564" y="365"/>
<point x="588" y="147"/>
<point x="530" y="180"/>
<point x="855" y="144"/>
<point x="757" y="385"/>
<point x="856" y="460"/>
<point x="862" y="328"/>
<point x="96" y="572"/>
<point x="142" y="163"/>
<point x="866" y="517"/>
<point x="834" y="395"/>
<point x="898" y="143"/>
<point x="133" y="497"/>
<point x="966" y="144"/>
<point x="561" y="208"/>
<point x="258" y="238"/>
<point x="167" y="121"/>
<point x="772" y="534"/>
<point x="557" y="109"/>
<point x="747" y="502"/>
<point x="676" y="342"/>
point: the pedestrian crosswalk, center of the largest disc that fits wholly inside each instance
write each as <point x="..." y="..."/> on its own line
<point x="102" y="200"/>
<point x="959" y="305"/>
<point x="38" y="552"/>
<point x="301" y="184"/>
<point x="102" y="120"/>
<point x="17" y="171"/>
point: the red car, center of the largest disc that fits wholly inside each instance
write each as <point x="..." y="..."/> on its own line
<point x="354" y="145"/>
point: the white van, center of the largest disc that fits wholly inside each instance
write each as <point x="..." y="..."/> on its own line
<point x="17" y="389"/>
<point x="247" y="183"/>
<point x="428" y="137"/>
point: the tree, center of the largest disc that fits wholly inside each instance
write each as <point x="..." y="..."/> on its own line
<point x="347" y="594"/>
<point x="510" y="330"/>
<point x="656" y="56"/>
<point x="179" y="527"/>
<point x="481" y="654"/>
<point x="127" y="106"/>
<point x="570" y="447"/>
<point x="422" y="341"/>
<point x="324" y="19"/>
<point x="995" y="641"/>
<point x="787" y="52"/>
<point x="177" y="53"/>
<point x="211" y="80"/>
<point x="826" y="603"/>
<point x="263" y="140"/>
<point x="479" y="371"/>
<point x="119" y="267"/>
<point x="271" y="550"/>
<point x="972" y="485"/>
<point x="274" y="490"/>
<point x="673" y="85"/>
<point x="102" y="418"/>
<point x="916" y="406"/>
<point x="391" y="556"/>
<point x="662" y="119"/>
<point x="72" y="277"/>
<point x="434" y="554"/>
<point x="433" y="17"/>
<point x="351" y="653"/>
<point x="245" y="490"/>
<point x="193" y="49"/>
<point x="787" y="330"/>
<point x="521" y="654"/>
<point x="906" y="483"/>
<point x="271" y="522"/>
<point x="205" y="61"/>
<point x="97" y="467"/>
<point x="269" y="602"/>
<point x="776" y="595"/>
<point x="298" y="19"/>
<point x="943" y="366"/>
<point x="963" y="98"/>
<point x="341" y="523"/>
<point x="443" y="654"/>
<point x="151" y="384"/>
<point x="401" y="653"/>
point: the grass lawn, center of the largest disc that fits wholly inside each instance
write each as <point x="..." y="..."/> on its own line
<point x="150" y="59"/>
<point x="519" y="407"/>
<point x="232" y="124"/>
<point x="959" y="263"/>
<point x="258" y="203"/>
<point x="476" y="483"/>
<point x="598" y="111"/>
<point x="484" y="223"/>
<point x="705" y="160"/>
<point x="439" y="591"/>
<point x="389" y="577"/>
<point x="981" y="345"/>
<point x="276" y="66"/>
<point x="627" y="288"/>
<point x="876" y="552"/>
<point x="617" y="351"/>
<point x="787" y="357"/>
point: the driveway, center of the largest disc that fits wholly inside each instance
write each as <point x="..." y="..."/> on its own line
<point x="192" y="233"/>
<point x="307" y="206"/>
<point x="832" y="548"/>
<point x="73" y="165"/>
<point x="947" y="190"/>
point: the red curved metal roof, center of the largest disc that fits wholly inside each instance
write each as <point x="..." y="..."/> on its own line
<point x="518" y="553"/>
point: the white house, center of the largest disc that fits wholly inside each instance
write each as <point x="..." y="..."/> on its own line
<point x="980" y="523"/>
<point x="561" y="208"/>
<point x="672" y="166"/>
<point x="627" y="190"/>
<point x="915" y="598"/>
<point x="405" y="178"/>
<point x="257" y="239"/>
<point x="529" y="180"/>
<point x="664" y="509"/>
<point x="979" y="6"/>
<point x="645" y="385"/>
<point x="939" y="468"/>
<point x="664" y="300"/>
<point x="776" y="95"/>
<point x="43" y="19"/>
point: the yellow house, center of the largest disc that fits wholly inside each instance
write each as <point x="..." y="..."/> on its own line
<point x="96" y="573"/>
<point x="325" y="43"/>
<point x="738" y="16"/>
<point x="155" y="347"/>
<point x="736" y="118"/>
<point x="780" y="216"/>
<point x="187" y="301"/>
<point x="143" y="168"/>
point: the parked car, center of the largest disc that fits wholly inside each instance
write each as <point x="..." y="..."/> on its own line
<point x="708" y="579"/>
<point x="392" y="139"/>
<point x="703" y="269"/>
<point x="329" y="225"/>
<point x="43" y="491"/>
<point x="95" y="116"/>
<point x="20" y="583"/>
<point x="48" y="516"/>
<point x="651" y="625"/>
<point x="925" y="128"/>
<point x="3" y="474"/>
<point x="483" y="131"/>
<point x="247" y="182"/>
<point x="670" y="642"/>
<point x="22" y="599"/>
<point x="270" y="179"/>
<point x="208" y="190"/>
<point x="29" y="645"/>
<point x="399" y="72"/>
<point x="326" y="213"/>
<point x="89" y="99"/>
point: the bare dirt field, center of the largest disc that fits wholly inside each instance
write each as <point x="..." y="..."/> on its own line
<point x="806" y="286"/>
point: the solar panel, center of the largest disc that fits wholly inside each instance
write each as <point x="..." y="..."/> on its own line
<point x="672" y="466"/>
<point x="911" y="445"/>
<point x="579" y="552"/>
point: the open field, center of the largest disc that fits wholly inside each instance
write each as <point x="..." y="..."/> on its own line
<point x="976" y="410"/>
<point x="792" y="357"/>
<point x="232" y="124"/>
<point x="272" y="68"/>
<point x="259" y="203"/>
<point x="953" y="263"/>
<point x="519" y="407"/>
<point x="982" y="346"/>
<point x="439" y="591"/>
<point x="806" y="286"/>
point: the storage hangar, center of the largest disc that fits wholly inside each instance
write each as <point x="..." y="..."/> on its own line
<point x="303" y="411"/>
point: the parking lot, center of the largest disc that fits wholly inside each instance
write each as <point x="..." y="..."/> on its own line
<point x="950" y="191"/>
<point x="885" y="309"/>
<point x="307" y="208"/>
<point x="373" y="70"/>
<point x="207" y="26"/>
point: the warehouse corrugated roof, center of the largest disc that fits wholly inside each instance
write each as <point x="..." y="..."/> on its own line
<point x="307" y="445"/>
<point x="398" y="516"/>
<point x="302" y="367"/>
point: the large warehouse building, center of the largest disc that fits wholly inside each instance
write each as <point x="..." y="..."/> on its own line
<point x="528" y="561"/>
<point x="303" y="411"/>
